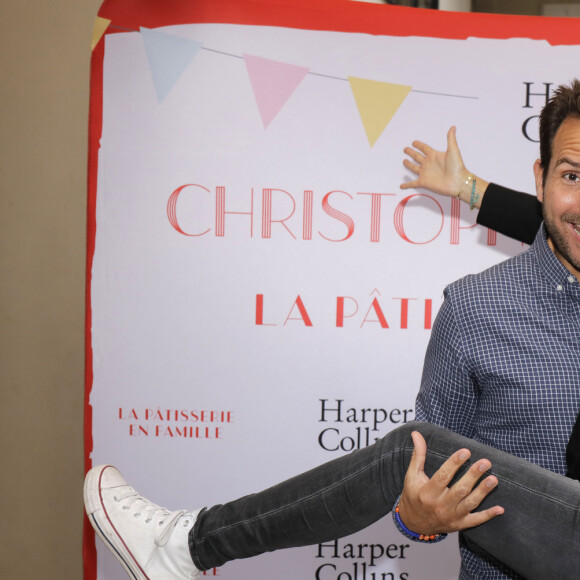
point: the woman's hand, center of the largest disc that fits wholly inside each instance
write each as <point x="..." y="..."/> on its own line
<point x="442" y="172"/>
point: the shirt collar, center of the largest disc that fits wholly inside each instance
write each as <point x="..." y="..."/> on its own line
<point x="555" y="272"/>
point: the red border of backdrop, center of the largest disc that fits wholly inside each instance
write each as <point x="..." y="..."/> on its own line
<point x="336" y="15"/>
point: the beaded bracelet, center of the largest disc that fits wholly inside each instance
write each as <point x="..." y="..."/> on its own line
<point x="414" y="536"/>
<point x="474" y="195"/>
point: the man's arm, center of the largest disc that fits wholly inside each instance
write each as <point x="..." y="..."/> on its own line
<point x="448" y="395"/>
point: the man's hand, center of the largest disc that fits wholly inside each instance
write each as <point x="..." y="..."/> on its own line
<point x="428" y="506"/>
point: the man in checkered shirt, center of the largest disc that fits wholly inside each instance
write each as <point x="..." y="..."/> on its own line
<point x="502" y="365"/>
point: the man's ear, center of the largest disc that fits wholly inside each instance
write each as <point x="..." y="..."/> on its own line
<point x="539" y="176"/>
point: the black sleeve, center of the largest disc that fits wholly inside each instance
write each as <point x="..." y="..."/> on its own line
<point x="512" y="213"/>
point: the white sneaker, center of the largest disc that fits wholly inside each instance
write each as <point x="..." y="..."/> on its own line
<point x="150" y="541"/>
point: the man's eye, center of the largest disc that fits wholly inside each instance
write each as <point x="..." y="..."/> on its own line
<point x="571" y="177"/>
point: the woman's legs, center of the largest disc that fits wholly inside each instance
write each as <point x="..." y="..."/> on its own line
<point x="332" y="500"/>
<point x="353" y="491"/>
<point x="538" y="536"/>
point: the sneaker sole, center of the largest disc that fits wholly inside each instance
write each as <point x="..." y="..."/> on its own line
<point x="103" y="526"/>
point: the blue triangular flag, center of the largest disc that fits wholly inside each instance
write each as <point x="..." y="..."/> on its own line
<point x="168" y="57"/>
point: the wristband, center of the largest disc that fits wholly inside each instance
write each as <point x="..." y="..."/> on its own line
<point x="414" y="536"/>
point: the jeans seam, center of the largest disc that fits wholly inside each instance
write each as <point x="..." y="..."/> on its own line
<point x="534" y="492"/>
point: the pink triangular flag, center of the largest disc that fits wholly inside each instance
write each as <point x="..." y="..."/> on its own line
<point x="273" y="83"/>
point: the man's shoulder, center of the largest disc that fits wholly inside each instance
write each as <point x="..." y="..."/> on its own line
<point x="510" y="278"/>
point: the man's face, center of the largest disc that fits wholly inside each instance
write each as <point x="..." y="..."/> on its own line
<point x="560" y="195"/>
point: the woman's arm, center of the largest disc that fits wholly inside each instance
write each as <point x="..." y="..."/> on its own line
<point x="512" y="213"/>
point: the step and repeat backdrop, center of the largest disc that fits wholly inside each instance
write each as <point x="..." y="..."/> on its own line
<point x="260" y="290"/>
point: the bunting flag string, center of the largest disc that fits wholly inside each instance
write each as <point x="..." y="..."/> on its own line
<point x="273" y="82"/>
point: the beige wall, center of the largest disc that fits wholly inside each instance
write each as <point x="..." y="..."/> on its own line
<point x="44" y="68"/>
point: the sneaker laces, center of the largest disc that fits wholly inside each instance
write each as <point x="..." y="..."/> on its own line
<point x="168" y="519"/>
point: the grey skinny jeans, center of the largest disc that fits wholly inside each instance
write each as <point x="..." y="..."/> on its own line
<point x="538" y="536"/>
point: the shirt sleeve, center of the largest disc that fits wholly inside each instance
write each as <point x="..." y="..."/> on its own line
<point x="448" y="395"/>
<point x="512" y="213"/>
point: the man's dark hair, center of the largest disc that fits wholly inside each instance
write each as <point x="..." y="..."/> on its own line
<point x="564" y="103"/>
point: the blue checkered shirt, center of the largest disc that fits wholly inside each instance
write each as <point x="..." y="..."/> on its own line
<point x="503" y="367"/>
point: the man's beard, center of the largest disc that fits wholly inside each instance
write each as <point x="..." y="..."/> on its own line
<point x="561" y="244"/>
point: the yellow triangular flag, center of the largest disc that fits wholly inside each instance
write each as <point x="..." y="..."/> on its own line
<point x="101" y="24"/>
<point x="377" y="103"/>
